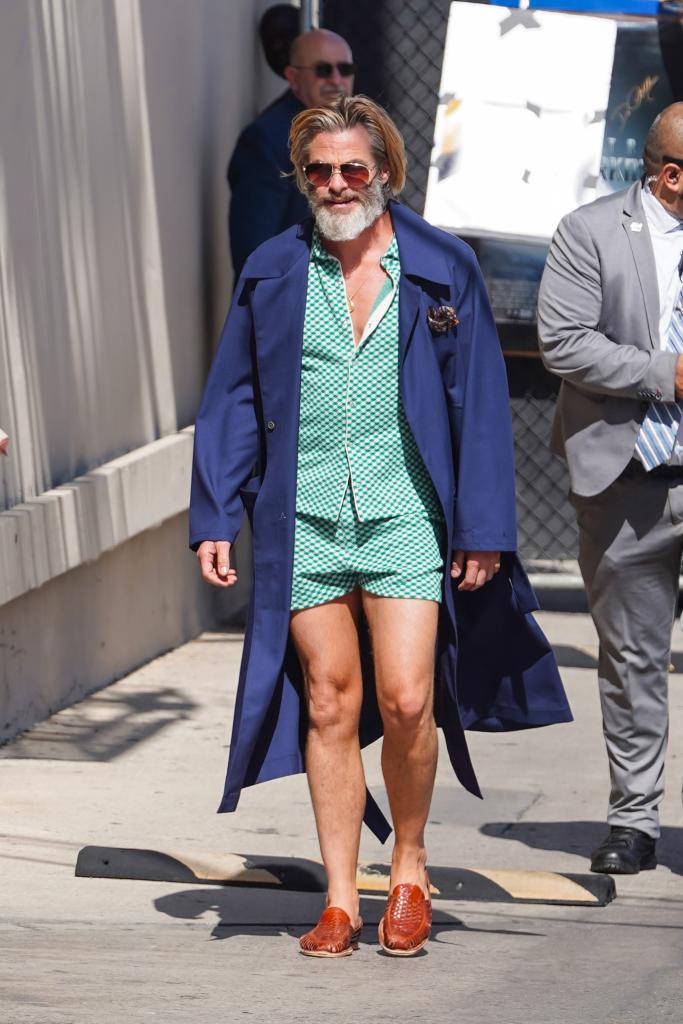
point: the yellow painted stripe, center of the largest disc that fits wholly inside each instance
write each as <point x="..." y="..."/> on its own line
<point x="376" y="881"/>
<point x="372" y="881"/>
<point x="225" y="867"/>
<point x="538" y="885"/>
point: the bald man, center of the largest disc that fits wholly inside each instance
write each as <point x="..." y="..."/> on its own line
<point x="610" y="320"/>
<point x="263" y="202"/>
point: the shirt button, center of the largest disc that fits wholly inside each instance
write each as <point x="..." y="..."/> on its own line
<point x="270" y="425"/>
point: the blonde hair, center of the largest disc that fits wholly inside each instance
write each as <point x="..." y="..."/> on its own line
<point x="386" y="143"/>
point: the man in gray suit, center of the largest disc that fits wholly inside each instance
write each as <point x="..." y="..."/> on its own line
<point x="610" y="320"/>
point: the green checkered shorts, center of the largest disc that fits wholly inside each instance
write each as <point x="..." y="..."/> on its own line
<point x="397" y="557"/>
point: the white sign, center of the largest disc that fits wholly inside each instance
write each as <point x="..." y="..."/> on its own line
<point x="521" y="119"/>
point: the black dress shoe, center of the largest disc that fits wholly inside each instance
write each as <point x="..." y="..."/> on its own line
<point x="626" y="851"/>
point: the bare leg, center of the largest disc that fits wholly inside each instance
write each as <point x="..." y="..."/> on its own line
<point x="326" y="641"/>
<point x="403" y="633"/>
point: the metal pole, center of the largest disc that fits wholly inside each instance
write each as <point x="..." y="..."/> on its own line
<point x="310" y="14"/>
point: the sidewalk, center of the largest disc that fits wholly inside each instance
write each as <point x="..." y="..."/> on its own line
<point x="141" y="764"/>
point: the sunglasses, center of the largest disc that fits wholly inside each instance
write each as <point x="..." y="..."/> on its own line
<point x="672" y="160"/>
<point x="356" y="175"/>
<point x="323" y="69"/>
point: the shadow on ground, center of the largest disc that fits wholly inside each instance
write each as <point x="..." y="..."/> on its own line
<point x="570" y="656"/>
<point x="581" y="838"/>
<point x="252" y="911"/>
<point x="104" y="725"/>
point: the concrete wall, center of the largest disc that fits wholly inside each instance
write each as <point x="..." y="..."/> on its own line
<point x="92" y="625"/>
<point x="116" y="123"/>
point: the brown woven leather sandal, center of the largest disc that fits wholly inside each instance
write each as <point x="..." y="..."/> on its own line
<point x="332" y="936"/>
<point x="407" y="921"/>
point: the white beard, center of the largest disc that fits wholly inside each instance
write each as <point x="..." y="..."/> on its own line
<point x="343" y="227"/>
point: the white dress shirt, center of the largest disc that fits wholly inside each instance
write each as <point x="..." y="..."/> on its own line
<point x="666" y="233"/>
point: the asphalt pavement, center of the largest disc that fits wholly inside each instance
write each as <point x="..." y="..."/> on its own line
<point x="140" y="764"/>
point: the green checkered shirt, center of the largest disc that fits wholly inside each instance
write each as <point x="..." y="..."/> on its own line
<point x="352" y="427"/>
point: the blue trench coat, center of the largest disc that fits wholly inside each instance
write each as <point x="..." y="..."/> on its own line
<point x="495" y="669"/>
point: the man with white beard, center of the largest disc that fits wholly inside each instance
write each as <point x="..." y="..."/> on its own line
<point x="359" y="386"/>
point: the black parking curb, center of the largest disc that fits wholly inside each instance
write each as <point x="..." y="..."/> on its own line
<point x="301" y="875"/>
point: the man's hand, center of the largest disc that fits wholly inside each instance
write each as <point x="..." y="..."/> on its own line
<point x="479" y="567"/>
<point x="214" y="562"/>
<point x="678" y="382"/>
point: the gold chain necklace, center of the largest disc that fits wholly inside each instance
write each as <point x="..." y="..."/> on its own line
<point x="350" y="298"/>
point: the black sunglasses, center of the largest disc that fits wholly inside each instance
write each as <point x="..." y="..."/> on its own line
<point x="356" y="175"/>
<point x="323" y="69"/>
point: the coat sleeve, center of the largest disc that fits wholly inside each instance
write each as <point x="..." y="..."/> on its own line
<point x="226" y="440"/>
<point x="484" y="518"/>
<point x="569" y="308"/>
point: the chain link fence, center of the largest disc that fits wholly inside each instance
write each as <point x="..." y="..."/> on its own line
<point x="546" y="523"/>
<point x="398" y="46"/>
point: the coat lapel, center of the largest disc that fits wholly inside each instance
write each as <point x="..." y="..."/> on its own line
<point x="279" y="307"/>
<point x="278" y="304"/>
<point x="420" y="264"/>
<point x="643" y="257"/>
<point x="409" y="302"/>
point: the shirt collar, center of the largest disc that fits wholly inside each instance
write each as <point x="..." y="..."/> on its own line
<point x="391" y="255"/>
<point x="657" y="215"/>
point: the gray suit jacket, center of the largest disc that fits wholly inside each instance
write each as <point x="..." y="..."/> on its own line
<point x="598" y="323"/>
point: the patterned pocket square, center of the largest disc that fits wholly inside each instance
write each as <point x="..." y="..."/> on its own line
<point x="441" y="319"/>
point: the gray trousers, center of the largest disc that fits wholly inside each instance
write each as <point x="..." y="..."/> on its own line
<point x="630" y="545"/>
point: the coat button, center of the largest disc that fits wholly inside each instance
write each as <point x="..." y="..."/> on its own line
<point x="270" y="425"/>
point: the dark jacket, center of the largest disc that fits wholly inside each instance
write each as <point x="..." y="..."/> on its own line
<point x="455" y="395"/>
<point x="263" y="203"/>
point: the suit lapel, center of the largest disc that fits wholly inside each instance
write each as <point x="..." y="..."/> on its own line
<point x="634" y="223"/>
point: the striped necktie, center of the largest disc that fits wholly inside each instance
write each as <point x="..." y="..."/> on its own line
<point x="659" y="430"/>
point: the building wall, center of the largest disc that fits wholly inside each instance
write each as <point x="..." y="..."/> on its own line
<point x="116" y="124"/>
<point x="90" y="626"/>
